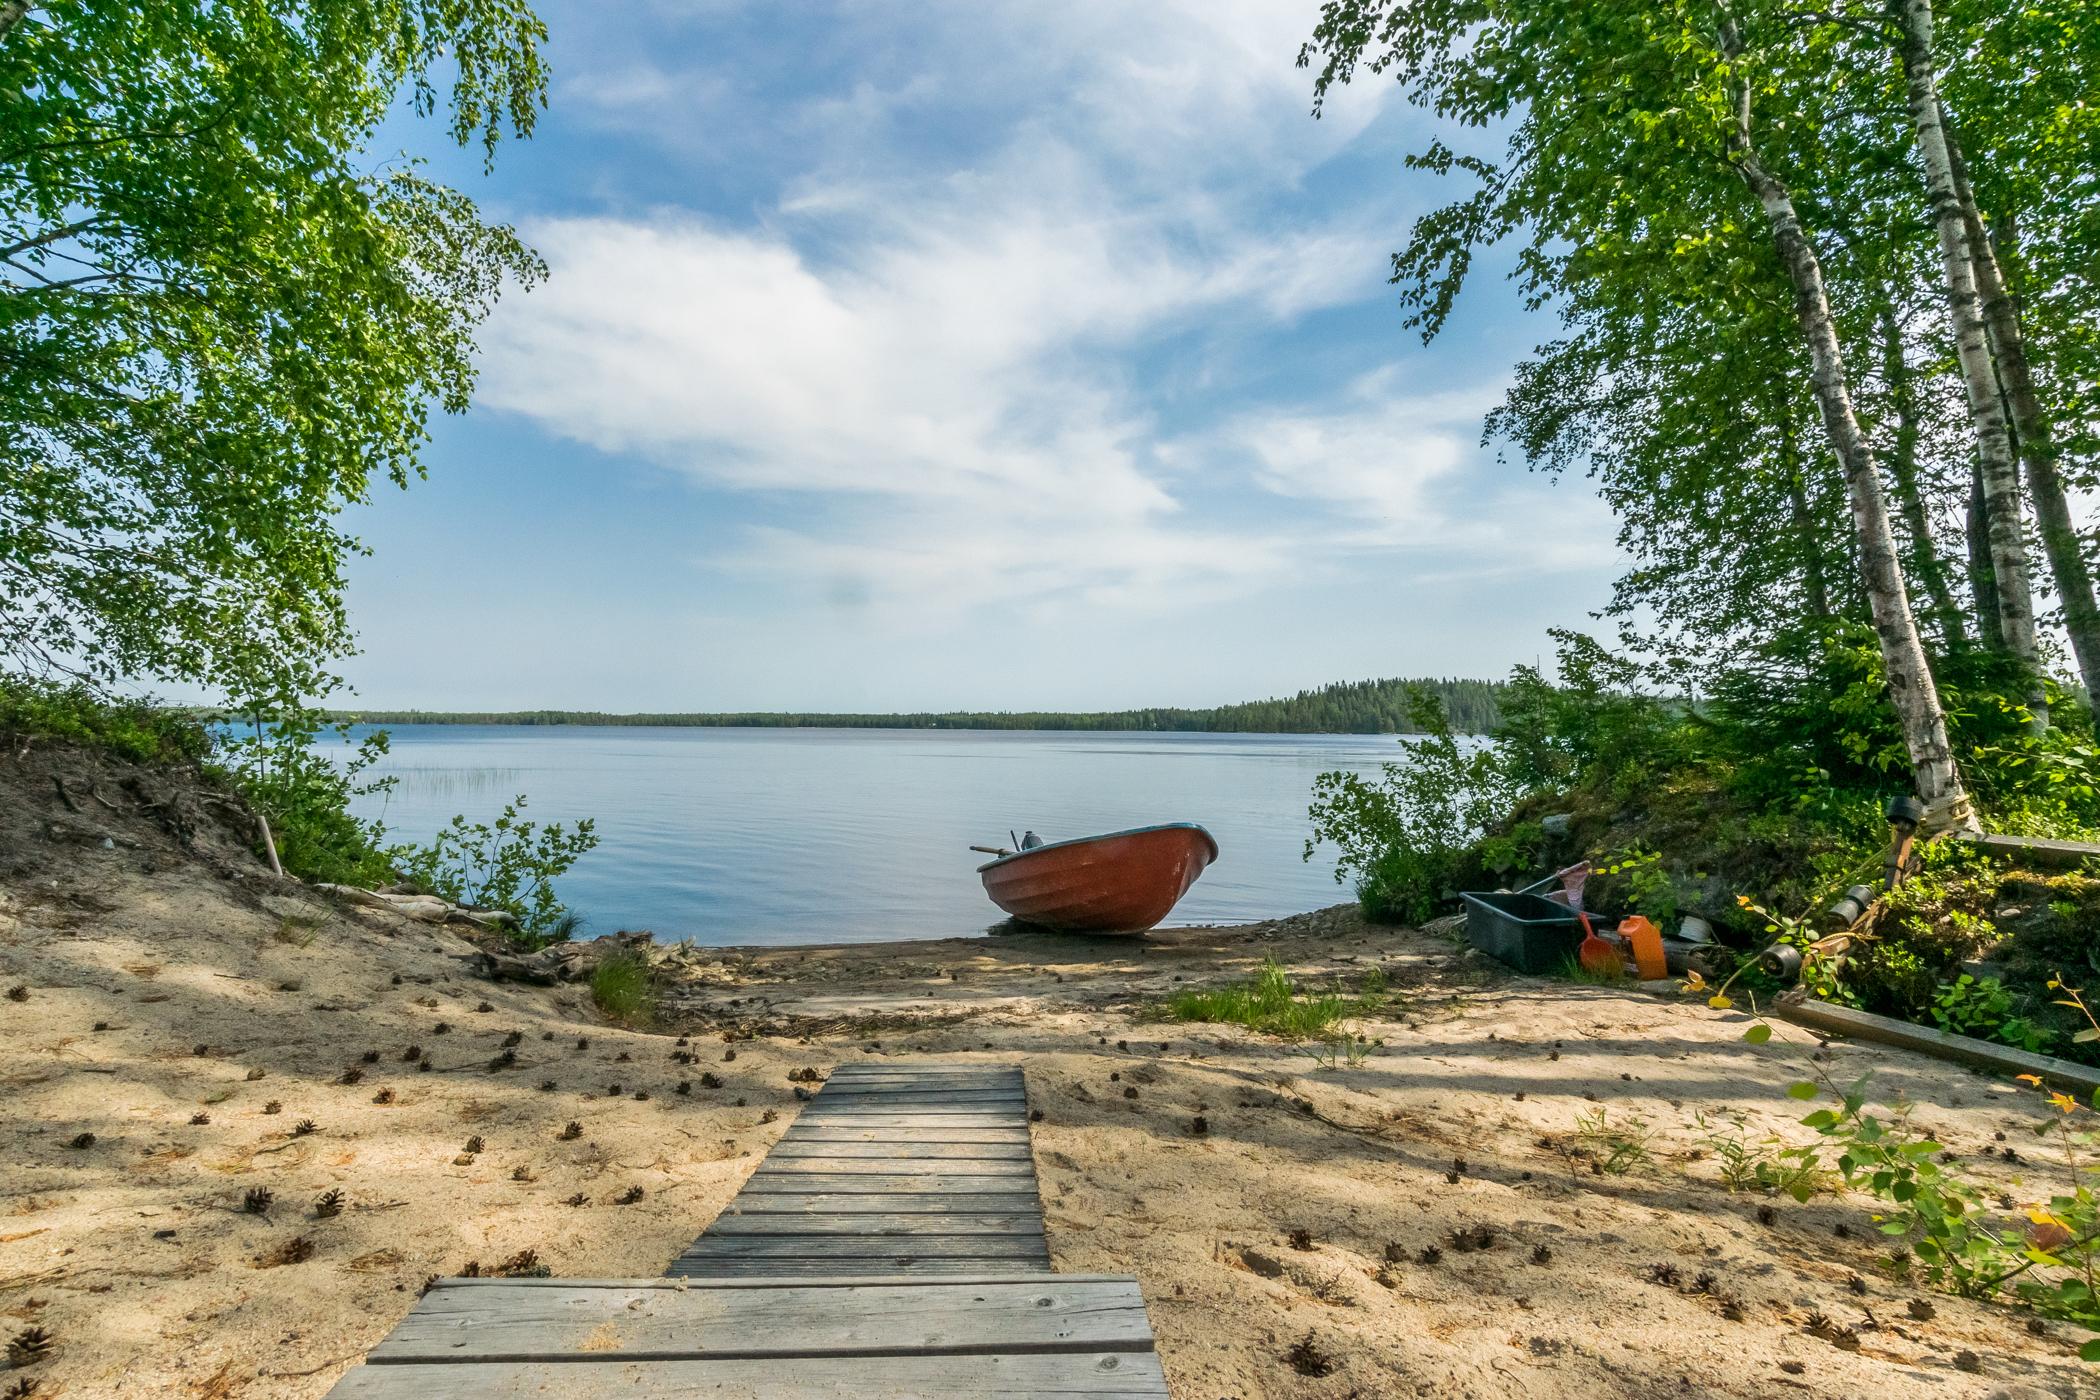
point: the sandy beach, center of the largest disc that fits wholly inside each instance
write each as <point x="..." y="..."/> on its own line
<point x="200" y="1055"/>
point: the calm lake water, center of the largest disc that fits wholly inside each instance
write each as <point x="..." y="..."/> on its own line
<point x="834" y="835"/>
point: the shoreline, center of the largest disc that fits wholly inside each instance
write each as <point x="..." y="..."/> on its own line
<point x="1422" y="1208"/>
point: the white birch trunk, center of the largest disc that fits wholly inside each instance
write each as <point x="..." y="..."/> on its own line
<point x="2005" y="534"/>
<point x="1912" y="690"/>
<point x="2038" y="450"/>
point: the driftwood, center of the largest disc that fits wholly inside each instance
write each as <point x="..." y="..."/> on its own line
<point x="427" y="908"/>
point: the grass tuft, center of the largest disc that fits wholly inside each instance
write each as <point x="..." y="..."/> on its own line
<point x="625" y="989"/>
<point x="1271" y="1004"/>
<point x="1572" y="970"/>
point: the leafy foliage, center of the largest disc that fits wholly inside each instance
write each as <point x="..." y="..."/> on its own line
<point x="133" y="729"/>
<point x="1982" y="1007"/>
<point x="510" y="863"/>
<point x="1404" y="835"/>
<point x="220" y="321"/>
<point x="306" y="795"/>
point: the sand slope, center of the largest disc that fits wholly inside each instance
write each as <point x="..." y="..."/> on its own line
<point x="136" y="1255"/>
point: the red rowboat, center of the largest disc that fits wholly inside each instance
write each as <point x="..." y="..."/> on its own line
<point x="1124" y="882"/>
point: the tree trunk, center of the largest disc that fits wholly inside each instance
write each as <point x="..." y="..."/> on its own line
<point x="1903" y="469"/>
<point x="1814" y="587"/>
<point x="1983" y="584"/>
<point x="12" y="13"/>
<point x="2037" y="443"/>
<point x="2000" y="473"/>
<point x="1909" y="675"/>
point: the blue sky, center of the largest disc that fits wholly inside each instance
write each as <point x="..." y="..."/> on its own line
<point x="956" y="355"/>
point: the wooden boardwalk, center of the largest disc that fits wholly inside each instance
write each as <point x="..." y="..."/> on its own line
<point x="887" y="1171"/>
<point x="889" y="1247"/>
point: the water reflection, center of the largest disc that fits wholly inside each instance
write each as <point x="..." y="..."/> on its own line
<point x="789" y="836"/>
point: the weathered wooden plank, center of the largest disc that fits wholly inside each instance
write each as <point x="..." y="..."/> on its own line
<point x="868" y="1222"/>
<point x="812" y="1132"/>
<point x="2035" y="850"/>
<point x="932" y="1201"/>
<point x="925" y="1082"/>
<point x="920" y="1068"/>
<point x="793" y="1149"/>
<point x="843" y="1250"/>
<point x="840" y="1281"/>
<point x="917" y="1118"/>
<point x="614" y="1322"/>
<point x="886" y="1182"/>
<point x="878" y="1266"/>
<point x="887" y="1165"/>
<point x="1108" y="1375"/>
<point x="884" y="1099"/>
<point x="1944" y="1045"/>
<point x="992" y="1079"/>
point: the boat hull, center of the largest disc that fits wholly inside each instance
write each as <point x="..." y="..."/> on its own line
<point x="1124" y="882"/>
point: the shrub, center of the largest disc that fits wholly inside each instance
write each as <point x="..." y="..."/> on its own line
<point x="305" y="794"/>
<point x="134" y="729"/>
<point x="1405" y="835"/>
<point x="509" y="864"/>
<point x="1982" y="1007"/>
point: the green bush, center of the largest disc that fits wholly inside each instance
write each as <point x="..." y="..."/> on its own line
<point x="1405" y="835"/>
<point x="1983" y="1008"/>
<point x="134" y="729"/>
<point x="306" y="795"/>
<point x="509" y="864"/>
<point x="1593" y="725"/>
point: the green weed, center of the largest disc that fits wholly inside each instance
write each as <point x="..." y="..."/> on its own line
<point x="1270" y="1003"/>
<point x="1617" y="1149"/>
<point x="625" y="989"/>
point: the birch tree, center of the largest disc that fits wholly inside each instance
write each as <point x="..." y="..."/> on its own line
<point x="2022" y="132"/>
<point x="1909" y="674"/>
<point x="1638" y="126"/>
<point x="2004" y="529"/>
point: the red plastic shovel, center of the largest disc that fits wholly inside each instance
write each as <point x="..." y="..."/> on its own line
<point x="1595" y="954"/>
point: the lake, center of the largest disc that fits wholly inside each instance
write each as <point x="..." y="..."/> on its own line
<point x="861" y="835"/>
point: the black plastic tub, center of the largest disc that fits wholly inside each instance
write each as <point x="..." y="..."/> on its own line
<point x="1529" y="932"/>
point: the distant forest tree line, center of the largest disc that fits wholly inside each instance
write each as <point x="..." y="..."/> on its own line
<point x="1346" y="707"/>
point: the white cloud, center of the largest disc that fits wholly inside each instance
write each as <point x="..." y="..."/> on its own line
<point x="945" y="364"/>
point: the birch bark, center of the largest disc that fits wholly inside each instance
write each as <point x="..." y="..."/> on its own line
<point x="2005" y="536"/>
<point x="1903" y="470"/>
<point x="1912" y="690"/>
<point x="2037" y="442"/>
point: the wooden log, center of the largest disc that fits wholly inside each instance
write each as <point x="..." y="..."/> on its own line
<point x="1941" y="1045"/>
<point x="2034" y="850"/>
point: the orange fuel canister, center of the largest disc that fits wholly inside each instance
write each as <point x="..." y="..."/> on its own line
<point x="1647" y="942"/>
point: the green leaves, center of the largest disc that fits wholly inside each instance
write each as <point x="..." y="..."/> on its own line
<point x="1801" y="1089"/>
<point x="1759" y="1034"/>
<point x="220" y="324"/>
